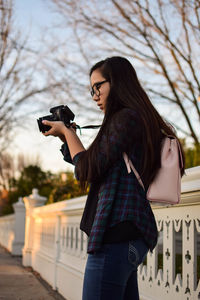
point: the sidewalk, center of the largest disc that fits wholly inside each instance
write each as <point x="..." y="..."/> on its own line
<point x="19" y="283"/>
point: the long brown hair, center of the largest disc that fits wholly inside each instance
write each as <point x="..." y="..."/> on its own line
<point x="126" y="92"/>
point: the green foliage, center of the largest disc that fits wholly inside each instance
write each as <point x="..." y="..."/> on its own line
<point x="31" y="177"/>
<point x="65" y="189"/>
<point x="56" y="187"/>
<point x="192" y="155"/>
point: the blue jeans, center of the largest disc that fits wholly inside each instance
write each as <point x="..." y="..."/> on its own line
<point x="111" y="273"/>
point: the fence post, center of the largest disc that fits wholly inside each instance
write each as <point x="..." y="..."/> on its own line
<point x="19" y="228"/>
<point x="57" y="250"/>
<point x="32" y="201"/>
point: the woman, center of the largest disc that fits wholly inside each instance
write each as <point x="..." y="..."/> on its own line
<point x="117" y="217"/>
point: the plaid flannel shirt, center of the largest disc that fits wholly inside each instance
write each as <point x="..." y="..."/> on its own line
<point x="120" y="197"/>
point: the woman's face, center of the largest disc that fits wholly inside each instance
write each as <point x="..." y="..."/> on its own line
<point x="100" y="89"/>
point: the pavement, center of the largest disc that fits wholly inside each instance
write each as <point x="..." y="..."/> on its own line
<point x="22" y="283"/>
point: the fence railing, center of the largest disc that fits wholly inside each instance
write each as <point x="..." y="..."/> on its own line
<point x="12" y="229"/>
<point x="54" y="245"/>
<point x="7" y="225"/>
<point x="56" y="248"/>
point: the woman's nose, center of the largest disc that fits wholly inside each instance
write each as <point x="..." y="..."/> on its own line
<point x="95" y="97"/>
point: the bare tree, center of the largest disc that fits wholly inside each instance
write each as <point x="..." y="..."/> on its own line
<point x="7" y="171"/>
<point x="23" y="77"/>
<point x="29" y="76"/>
<point x="162" y="37"/>
<point x="11" y="167"/>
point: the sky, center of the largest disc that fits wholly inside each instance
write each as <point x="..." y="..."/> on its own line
<point x="32" y="15"/>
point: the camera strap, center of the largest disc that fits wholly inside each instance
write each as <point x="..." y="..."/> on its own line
<point x="90" y="127"/>
<point x="87" y="127"/>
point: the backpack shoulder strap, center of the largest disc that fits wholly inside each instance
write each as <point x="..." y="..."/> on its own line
<point x="130" y="167"/>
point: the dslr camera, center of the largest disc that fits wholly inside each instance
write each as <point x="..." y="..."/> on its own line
<point x="58" y="113"/>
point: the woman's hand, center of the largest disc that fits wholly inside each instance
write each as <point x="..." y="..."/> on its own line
<point x="58" y="128"/>
<point x="72" y="127"/>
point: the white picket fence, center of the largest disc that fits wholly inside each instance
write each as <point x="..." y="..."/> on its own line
<point x="56" y="248"/>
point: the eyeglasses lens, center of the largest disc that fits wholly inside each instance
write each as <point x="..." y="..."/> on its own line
<point x="96" y="88"/>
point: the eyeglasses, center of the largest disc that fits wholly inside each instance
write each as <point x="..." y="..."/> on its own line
<point x="96" y="88"/>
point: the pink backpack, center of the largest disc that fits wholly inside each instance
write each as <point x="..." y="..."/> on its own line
<point x="166" y="186"/>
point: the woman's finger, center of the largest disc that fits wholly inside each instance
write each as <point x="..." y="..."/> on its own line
<point x="46" y="133"/>
<point x="46" y="122"/>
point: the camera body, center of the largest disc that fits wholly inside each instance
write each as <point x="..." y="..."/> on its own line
<point x="58" y="113"/>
